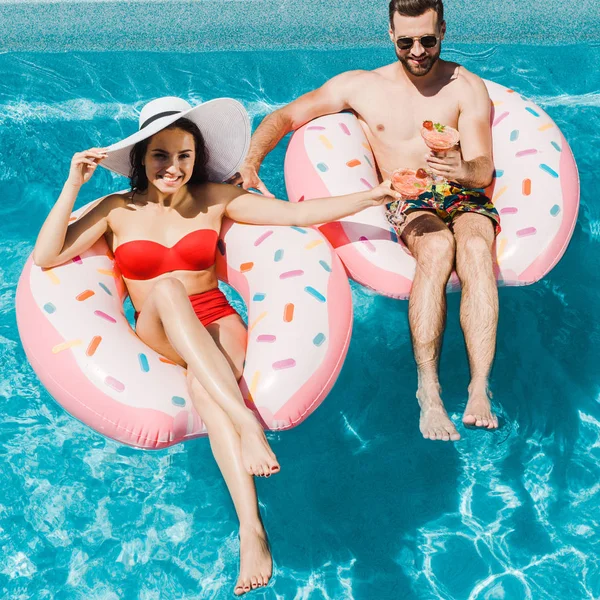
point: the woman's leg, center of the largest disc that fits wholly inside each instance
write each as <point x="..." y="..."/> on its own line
<point x="255" y="557"/>
<point x="168" y="324"/>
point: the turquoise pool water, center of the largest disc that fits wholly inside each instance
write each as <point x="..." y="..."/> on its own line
<point x="364" y="508"/>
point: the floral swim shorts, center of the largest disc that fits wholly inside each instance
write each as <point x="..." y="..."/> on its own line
<point x="447" y="199"/>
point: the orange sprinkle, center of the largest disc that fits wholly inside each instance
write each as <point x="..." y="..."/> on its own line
<point x="106" y="272"/>
<point x="353" y="163"/>
<point x="65" y="346"/>
<point x="511" y="91"/>
<point x="497" y="102"/>
<point x="257" y="321"/>
<point x="52" y="275"/>
<point x="93" y="345"/>
<point x="546" y="127"/>
<point x="499" y="193"/>
<point x="288" y="313"/>
<point x="84" y="295"/>
<point x="526" y="187"/>
<point x="166" y="361"/>
<point x="245" y="267"/>
<point x="365" y="145"/>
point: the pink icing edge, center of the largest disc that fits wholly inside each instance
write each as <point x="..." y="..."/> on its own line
<point x="569" y="182"/>
<point x="149" y="428"/>
<point x="302" y="180"/>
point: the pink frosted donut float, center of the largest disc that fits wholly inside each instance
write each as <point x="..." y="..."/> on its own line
<point x="535" y="189"/>
<point x="79" y="343"/>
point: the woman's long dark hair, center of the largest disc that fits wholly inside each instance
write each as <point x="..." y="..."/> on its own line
<point x="137" y="175"/>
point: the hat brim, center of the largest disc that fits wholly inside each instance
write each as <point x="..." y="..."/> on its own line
<point x="225" y="127"/>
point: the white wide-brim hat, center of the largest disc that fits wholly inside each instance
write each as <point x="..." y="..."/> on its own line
<point x="223" y="122"/>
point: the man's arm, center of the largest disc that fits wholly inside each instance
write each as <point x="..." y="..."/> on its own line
<point x="330" y="98"/>
<point x="472" y="165"/>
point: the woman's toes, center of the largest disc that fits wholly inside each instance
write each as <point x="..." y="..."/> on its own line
<point x="254" y="582"/>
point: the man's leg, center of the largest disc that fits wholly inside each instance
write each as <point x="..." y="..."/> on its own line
<point x="474" y="234"/>
<point x="432" y="244"/>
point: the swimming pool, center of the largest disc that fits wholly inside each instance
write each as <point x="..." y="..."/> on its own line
<point x="364" y="507"/>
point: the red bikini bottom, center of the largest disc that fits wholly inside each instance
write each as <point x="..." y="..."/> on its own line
<point x="209" y="306"/>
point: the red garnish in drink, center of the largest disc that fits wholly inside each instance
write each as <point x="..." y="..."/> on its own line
<point x="421" y="174"/>
<point x="428" y="125"/>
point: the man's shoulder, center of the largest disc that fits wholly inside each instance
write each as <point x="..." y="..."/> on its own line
<point x="467" y="79"/>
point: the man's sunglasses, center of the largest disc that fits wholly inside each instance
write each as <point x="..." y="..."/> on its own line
<point x="427" y="41"/>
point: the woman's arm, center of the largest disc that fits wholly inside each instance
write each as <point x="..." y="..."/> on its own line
<point x="58" y="241"/>
<point x="258" y="210"/>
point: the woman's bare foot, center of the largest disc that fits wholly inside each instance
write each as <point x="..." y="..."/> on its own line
<point x="256" y="564"/>
<point x="478" y="412"/>
<point x="257" y="456"/>
<point x="434" y="421"/>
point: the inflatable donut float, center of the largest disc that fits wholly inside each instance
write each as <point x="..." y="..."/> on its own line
<point x="84" y="351"/>
<point x="535" y="189"/>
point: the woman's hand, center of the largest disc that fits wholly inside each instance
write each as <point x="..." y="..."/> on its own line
<point x="83" y="165"/>
<point x="384" y="193"/>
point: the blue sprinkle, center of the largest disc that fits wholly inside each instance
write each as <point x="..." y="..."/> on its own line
<point x="368" y="161"/>
<point x="498" y="173"/>
<point x="259" y="297"/>
<point x="548" y="169"/>
<point x="299" y="229"/>
<point x="178" y="401"/>
<point x="221" y="247"/>
<point x="322" y="167"/>
<point x="394" y="235"/>
<point x="278" y="255"/>
<point x="533" y="112"/>
<point x="105" y="288"/>
<point x="319" y="339"/>
<point x="514" y="135"/>
<point x="314" y="293"/>
<point x="49" y="308"/>
<point x="325" y="266"/>
<point x="555" y="210"/>
<point x="143" y="362"/>
<point x="556" y="146"/>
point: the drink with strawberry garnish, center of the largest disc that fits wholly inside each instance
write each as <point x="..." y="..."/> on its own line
<point x="410" y="183"/>
<point x="438" y="137"/>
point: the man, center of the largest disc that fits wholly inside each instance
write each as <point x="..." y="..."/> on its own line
<point x="452" y="226"/>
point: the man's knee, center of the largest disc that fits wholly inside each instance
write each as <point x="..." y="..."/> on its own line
<point x="474" y="249"/>
<point x="437" y="250"/>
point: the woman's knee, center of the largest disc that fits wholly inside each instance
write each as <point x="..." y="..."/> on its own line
<point x="168" y="289"/>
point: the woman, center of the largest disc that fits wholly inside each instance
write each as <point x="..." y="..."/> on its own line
<point x="164" y="234"/>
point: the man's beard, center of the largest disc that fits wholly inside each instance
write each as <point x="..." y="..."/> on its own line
<point x="421" y="69"/>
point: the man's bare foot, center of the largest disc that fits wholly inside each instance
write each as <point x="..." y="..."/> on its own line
<point x="256" y="564"/>
<point x="257" y="456"/>
<point x="434" y="422"/>
<point x="478" y="412"/>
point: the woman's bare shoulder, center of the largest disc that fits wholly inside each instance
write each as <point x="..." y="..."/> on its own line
<point x="217" y="193"/>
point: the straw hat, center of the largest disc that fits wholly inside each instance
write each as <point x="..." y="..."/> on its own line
<point x="223" y="122"/>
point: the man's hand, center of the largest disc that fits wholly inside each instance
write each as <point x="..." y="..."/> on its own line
<point x="449" y="165"/>
<point x="248" y="178"/>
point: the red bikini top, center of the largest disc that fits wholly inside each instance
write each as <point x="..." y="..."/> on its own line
<point x="144" y="259"/>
